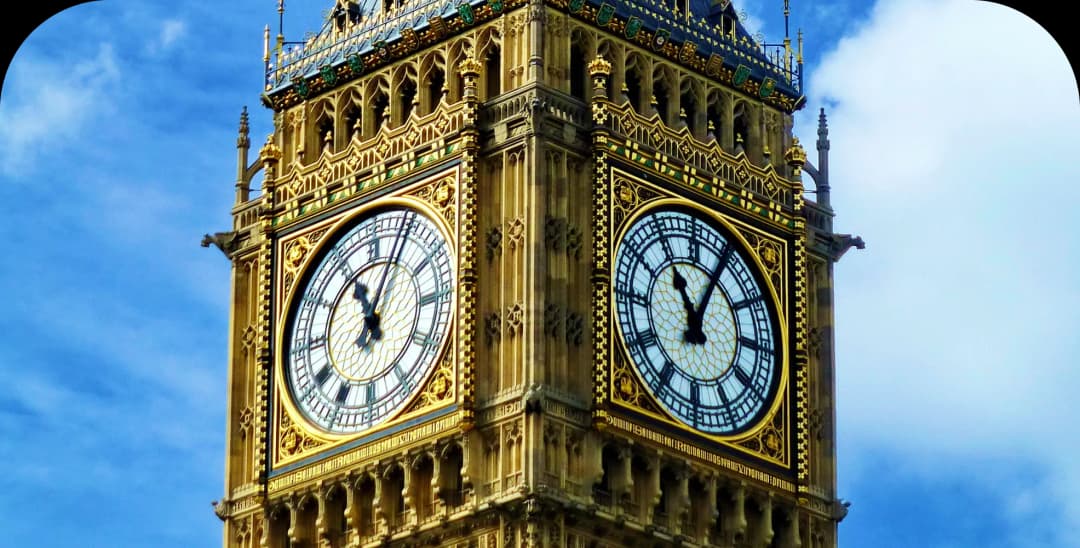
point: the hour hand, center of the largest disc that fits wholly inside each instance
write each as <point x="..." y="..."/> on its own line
<point x="693" y="333"/>
<point x="370" y="330"/>
<point x="680" y="284"/>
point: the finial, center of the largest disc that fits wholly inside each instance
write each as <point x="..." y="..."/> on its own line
<point x="739" y="143"/>
<point x="266" y="45"/>
<point x="469" y="66"/>
<point x="242" y="140"/>
<point x="599" y="66"/>
<point x="625" y="91"/>
<point x="599" y="69"/>
<point x="799" y="57"/>
<point x="795" y="156"/>
<point x="270" y="151"/>
<point x="328" y="139"/>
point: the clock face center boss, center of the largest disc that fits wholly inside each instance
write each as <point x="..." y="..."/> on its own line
<point x="369" y="320"/>
<point x="696" y="321"/>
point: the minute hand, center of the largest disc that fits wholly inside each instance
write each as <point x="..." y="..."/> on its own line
<point x="725" y="255"/>
<point x="395" y="255"/>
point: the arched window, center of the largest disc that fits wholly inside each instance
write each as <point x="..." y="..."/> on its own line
<point x="493" y="73"/>
<point x="365" y="502"/>
<point x="325" y="134"/>
<point x="279" y="527"/>
<point x="436" y="82"/>
<point x="740" y="127"/>
<point x="604" y="491"/>
<point x="407" y="97"/>
<point x="335" y="515"/>
<point x="423" y="473"/>
<point x="688" y="104"/>
<point x="380" y="106"/>
<point x="451" y="488"/>
<point x="639" y="473"/>
<point x="662" y="93"/>
<point x="393" y="497"/>
<point x="353" y="122"/>
<point x="306" y="515"/>
<point x="578" y="77"/>
<point x="634" y="84"/>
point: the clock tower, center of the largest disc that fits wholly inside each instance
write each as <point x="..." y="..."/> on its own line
<point x="531" y="273"/>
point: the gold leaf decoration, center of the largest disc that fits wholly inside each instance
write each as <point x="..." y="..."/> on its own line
<point x="439" y="388"/>
<point x="771" y="441"/>
<point x="296" y="251"/>
<point x="294" y="441"/>
<point x="440" y="195"/>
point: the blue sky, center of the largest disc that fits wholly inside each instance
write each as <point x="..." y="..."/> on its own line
<point x="953" y="155"/>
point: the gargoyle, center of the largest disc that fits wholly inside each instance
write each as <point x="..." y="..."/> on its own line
<point x="841" y="243"/>
<point x="225" y="241"/>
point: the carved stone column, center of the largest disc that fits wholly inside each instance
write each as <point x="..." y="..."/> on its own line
<point x="738" y="522"/>
<point x="352" y="510"/>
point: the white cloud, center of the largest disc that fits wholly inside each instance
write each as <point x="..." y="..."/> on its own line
<point x="47" y="104"/>
<point x="171" y="31"/>
<point x="953" y="128"/>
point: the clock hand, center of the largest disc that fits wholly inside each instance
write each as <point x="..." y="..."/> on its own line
<point x="715" y="277"/>
<point x="693" y="334"/>
<point x="395" y="253"/>
<point x="370" y="330"/>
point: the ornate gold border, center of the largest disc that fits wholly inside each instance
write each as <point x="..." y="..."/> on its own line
<point x="770" y="440"/>
<point x="293" y="437"/>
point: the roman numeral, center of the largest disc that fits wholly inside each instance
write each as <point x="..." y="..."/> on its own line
<point x="665" y="245"/>
<point x="645" y="338"/>
<point x="402" y="377"/>
<point x="637" y="256"/>
<point x="634" y="296"/>
<point x="423" y="339"/>
<point x="374" y="250"/>
<point x="343" y="393"/>
<point x="369" y="396"/>
<point x="742" y="375"/>
<point x="316" y="301"/>
<point x="754" y="345"/>
<point x="433" y="297"/>
<point x="340" y="263"/>
<point x="666" y="372"/>
<point x="746" y="302"/>
<point x="695" y="242"/>
<point x="322" y="375"/>
<point x="695" y="394"/>
<point x="726" y="409"/>
<point x="725" y="256"/>
<point x="423" y="264"/>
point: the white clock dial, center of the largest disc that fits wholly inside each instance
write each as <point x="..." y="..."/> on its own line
<point x="696" y="321"/>
<point x="369" y="321"/>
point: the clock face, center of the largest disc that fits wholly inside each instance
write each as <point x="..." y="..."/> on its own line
<point x="695" y="320"/>
<point x="368" y="323"/>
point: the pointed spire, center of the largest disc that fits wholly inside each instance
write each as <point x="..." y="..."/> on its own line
<point x="823" y="160"/>
<point x="242" y="140"/>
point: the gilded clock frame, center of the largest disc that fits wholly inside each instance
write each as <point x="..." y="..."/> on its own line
<point x="771" y="438"/>
<point x="293" y="438"/>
